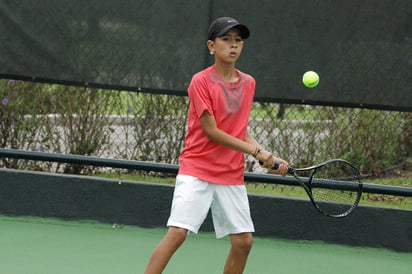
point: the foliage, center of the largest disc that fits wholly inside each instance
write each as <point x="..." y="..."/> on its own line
<point x="59" y="119"/>
<point x="154" y="127"/>
<point x="151" y="127"/>
<point x="371" y="139"/>
<point x="19" y="126"/>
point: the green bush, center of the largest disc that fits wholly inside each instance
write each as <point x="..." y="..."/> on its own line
<point x="151" y="127"/>
<point x="19" y="124"/>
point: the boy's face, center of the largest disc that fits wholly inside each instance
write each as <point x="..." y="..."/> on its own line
<point x="227" y="47"/>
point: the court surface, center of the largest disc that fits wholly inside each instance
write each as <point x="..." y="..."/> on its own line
<point x="34" y="245"/>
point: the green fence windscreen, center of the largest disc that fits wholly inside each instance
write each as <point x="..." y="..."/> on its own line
<point x="362" y="49"/>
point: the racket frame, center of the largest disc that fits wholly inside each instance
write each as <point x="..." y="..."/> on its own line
<point x="307" y="186"/>
<point x="357" y="187"/>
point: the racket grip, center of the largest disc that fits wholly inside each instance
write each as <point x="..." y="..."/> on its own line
<point x="276" y="166"/>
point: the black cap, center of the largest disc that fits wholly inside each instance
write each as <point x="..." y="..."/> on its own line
<point x="222" y="25"/>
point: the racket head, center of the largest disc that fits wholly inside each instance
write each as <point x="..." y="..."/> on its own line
<point x="334" y="187"/>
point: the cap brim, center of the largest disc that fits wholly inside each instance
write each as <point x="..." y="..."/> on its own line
<point x="244" y="31"/>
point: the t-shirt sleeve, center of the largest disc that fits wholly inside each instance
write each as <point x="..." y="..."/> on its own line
<point x="199" y="95"/>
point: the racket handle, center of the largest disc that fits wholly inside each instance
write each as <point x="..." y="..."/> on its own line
<point x="276" y="166"/>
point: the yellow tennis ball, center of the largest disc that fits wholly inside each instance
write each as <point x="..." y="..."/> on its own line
<point x="310" y="79"/>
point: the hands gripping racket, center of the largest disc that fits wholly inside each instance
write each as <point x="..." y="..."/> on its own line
<point x="334" y="187"/>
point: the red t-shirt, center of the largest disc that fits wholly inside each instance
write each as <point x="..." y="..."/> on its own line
<point x="230" y="104"/>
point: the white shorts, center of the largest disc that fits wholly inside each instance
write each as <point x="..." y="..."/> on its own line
<point x="193" y="198"/>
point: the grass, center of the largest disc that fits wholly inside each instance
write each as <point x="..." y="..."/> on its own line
<point x="377" y="200"/>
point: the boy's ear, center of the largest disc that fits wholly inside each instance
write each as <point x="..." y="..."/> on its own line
<point x="211" y="45"/>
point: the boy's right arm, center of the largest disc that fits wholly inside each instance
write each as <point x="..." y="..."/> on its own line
<point x="248" y="146"/>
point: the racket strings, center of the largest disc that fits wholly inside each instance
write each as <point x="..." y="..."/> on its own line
<point x="340" y="193"/>
<point x="334" y="201"/>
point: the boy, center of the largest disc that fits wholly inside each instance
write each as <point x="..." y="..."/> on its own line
<point x="212" y="160"/>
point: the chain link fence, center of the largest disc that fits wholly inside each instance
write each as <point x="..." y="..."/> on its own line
<point x="151" y="127"/>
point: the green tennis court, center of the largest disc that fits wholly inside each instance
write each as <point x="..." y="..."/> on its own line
<point x="45" y="245"/>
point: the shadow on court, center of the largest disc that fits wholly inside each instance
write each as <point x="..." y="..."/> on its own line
<point x="44" y="245"/>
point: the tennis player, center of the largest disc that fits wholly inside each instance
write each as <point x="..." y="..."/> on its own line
<point x="212" y="160"/>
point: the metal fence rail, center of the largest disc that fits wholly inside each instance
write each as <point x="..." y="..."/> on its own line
<point x="173" y="169"/>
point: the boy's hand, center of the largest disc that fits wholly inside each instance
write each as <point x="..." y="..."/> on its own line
<point x="283" y="167"/>
<point x="267" y="160"/>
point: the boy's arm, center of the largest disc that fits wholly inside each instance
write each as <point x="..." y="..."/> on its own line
<point x="248" y="146"/>
<point x="251" y="140"/>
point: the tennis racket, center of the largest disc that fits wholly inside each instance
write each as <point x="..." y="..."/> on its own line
<point x="334" y="187"/>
